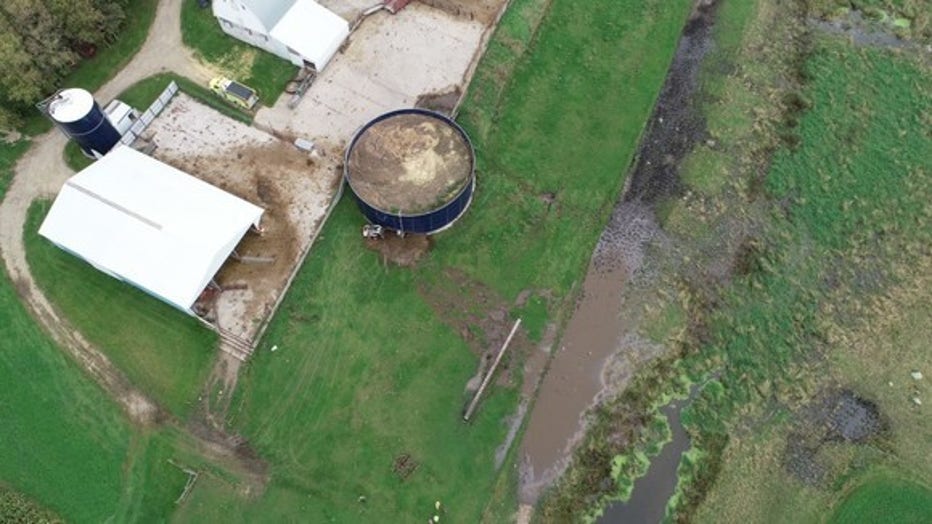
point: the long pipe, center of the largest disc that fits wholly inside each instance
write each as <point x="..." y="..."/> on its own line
<point x="488" y="376"/>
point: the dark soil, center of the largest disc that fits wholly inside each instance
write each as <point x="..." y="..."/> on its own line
<point x="441" y="102"/>
<point x="480" y="316"/>
<point x="675" y="125"/>
<point x="839" y="416"/>
<point x="404" y="251"/>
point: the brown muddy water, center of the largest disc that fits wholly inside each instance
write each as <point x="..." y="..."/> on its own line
<point x="600" y="349"/>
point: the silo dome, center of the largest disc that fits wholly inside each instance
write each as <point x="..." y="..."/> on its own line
<point x="80" y="117"/>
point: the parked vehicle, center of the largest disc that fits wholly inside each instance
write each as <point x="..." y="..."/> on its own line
<point x="234" y="92"/>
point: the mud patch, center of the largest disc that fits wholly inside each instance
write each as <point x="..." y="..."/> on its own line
<point x="675" y="125"/>
<point x="295" y="189"/>
<point x="481" y="317"/>
<point x="404" y="251"/>
<point x="839" y="416"/>
<point x="483" y="11"/>
<point x="862" y="32"/>
<point x="442" y="102"/>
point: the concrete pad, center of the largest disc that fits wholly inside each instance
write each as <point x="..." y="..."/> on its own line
<point x="295" y="189"/>
<point x="390" y="61"/>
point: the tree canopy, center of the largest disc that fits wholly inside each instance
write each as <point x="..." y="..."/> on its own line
<point x="42" y="40"/>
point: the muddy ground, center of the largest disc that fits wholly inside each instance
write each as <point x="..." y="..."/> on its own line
<point x="294" y="188"/>
<point x="833" y="416"/>
<point x="481" y="317"/>
<point x="483" y="11"/>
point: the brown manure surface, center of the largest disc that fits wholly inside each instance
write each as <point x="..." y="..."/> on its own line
<point x="409" y="163"/>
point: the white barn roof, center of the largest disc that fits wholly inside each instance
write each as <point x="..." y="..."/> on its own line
<point x="148" y="223"/>
<point x="311" y="30"/>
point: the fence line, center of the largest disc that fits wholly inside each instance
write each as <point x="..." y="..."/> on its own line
<point x="149" y="114"/>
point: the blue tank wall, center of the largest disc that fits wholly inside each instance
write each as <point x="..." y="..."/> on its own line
<point x="424" y="223"/>
<point x="93" y="132"/>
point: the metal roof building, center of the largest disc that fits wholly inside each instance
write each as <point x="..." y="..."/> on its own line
<point x="300" y="31"/>
<point x="149" y="224"/>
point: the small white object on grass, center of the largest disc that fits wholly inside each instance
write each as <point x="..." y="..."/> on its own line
<point x="917" y="375"/>
<point x="274" y="348"/>
<point x="916" y="401"/>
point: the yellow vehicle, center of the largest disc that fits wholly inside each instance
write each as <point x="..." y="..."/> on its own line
<point x="234" y="92"/>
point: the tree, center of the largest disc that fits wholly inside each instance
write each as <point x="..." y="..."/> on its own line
<point x="38" y="43"/>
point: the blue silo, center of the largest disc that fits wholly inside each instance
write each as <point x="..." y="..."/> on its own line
<point x="80" y="117"/>
<point x="411" y="170"/>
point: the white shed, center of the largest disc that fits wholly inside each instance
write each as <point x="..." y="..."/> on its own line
<point x="149" y="224"/>
<point x="301" y="31"/>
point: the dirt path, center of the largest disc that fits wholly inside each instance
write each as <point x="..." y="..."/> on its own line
<point x="41" y="172"/>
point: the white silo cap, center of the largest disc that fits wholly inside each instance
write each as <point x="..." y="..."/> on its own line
<point x="71" y="105"/>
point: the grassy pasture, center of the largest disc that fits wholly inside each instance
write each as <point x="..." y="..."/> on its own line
<point x="835" y="228"/>
<point x="843" y="273"/>
<point x="260" y="70"/>
<point x="885" y="500"/>
<point x="162" y="350"/>
<point x="62" y="441"/>
<point x="365" y="370"/>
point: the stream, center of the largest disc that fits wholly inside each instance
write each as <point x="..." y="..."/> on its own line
<point x="651" y="492"/>
<point x="599" y="350"/>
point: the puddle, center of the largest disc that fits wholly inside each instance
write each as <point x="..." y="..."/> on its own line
<point x="651" y="492"/>
<point x="597" y="336"/>
<point x="860" y="31"/>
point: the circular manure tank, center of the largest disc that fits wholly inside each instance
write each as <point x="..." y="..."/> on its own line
<point x="411" y="170"/>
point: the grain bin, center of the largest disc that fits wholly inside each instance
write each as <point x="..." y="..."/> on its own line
<point x="80" y="117"/>
<point x="411" y="170"/>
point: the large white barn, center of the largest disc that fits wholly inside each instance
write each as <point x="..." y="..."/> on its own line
<point x="301" y="31"/>
<point x="149" y="224"/>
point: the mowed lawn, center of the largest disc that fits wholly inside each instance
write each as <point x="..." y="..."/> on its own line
<point x="364" y="369"/>
<point x="163" y="351"/>
<point x="886" y="500"/>
<point x="64" y="443"/>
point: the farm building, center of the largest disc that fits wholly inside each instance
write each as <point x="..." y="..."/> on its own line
<point x="301" y="31"/>
<point x="149" y="224"/>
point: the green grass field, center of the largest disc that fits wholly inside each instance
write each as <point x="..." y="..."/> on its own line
<point x="162" y="350"/>
<point x="63" y="442"/>
<point x="883" y="501"/>
<point x="842" y="273"/>
<point x="260" y="70"/>
<point x="365" y="370"/>
<point x="64" y="445"/>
